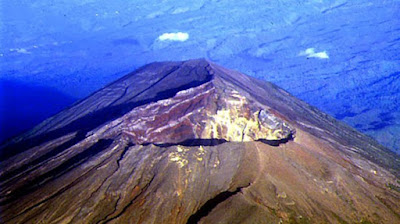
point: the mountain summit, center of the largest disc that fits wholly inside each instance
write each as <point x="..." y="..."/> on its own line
<point x="193" y="142"/>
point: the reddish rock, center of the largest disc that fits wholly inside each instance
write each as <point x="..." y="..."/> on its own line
<point x="192" y="142"/>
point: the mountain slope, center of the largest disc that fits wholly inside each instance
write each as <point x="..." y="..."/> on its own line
<point x="188" y="142"/>
<point x="87" y="44"/>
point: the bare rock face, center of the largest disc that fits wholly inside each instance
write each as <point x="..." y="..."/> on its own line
<point x="192" y="142"/>
<point x="203" y="112"/>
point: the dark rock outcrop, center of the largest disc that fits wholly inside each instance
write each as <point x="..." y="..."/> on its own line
<point x="192" y="142"/>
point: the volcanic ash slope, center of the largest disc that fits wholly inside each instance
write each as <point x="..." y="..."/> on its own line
<point x="192" y="142"/>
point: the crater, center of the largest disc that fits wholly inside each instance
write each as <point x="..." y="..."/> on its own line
<point x="205" y="115"/>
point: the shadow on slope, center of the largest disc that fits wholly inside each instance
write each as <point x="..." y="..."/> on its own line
<point x="88" y="123"/>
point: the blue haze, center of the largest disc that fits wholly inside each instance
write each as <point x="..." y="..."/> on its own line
<point x="68" y="49"/>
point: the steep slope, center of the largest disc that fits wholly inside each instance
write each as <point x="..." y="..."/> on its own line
<point x="90" y="43"/>
<point x="193" y="142"/>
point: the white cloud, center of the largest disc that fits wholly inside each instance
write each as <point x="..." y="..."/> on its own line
<point x="179" y="36"/>
<point x="20" y="50"/>
<point x="154" y="15"/>
<point x="310" y="53"/>
<point x="180" y="10"/>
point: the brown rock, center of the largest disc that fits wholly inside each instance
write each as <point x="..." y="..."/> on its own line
<point x="192" y="142"/>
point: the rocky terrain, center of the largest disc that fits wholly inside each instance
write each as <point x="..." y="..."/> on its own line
<point x="338" y="55"/>
<point x="193" y="142"/>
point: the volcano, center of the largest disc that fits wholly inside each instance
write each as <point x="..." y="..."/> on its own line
<point x="193" y="142"/>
